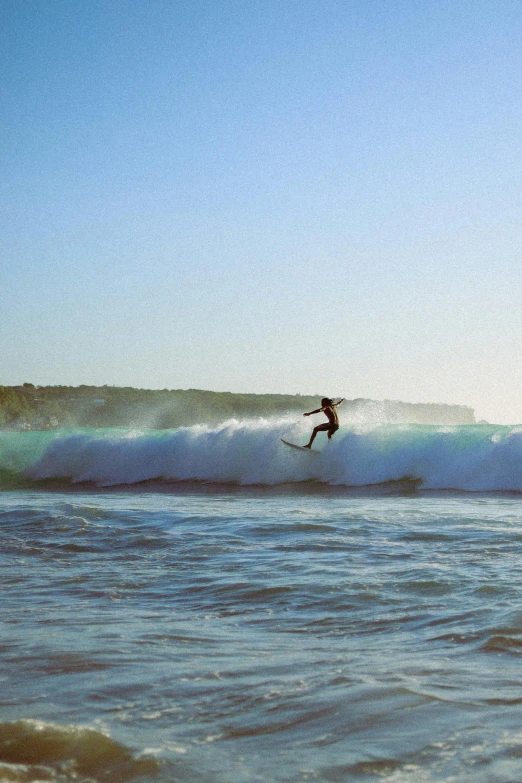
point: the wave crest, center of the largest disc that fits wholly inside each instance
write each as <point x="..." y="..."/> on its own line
<point x="33" y="750"/>
<point x="466" y="457"/>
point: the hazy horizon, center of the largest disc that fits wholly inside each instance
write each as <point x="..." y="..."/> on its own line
<point x="264" y="198"/>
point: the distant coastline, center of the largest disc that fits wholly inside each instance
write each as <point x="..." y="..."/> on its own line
<point x="30" y="407"/>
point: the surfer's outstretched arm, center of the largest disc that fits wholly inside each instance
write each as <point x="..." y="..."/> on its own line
<point x="320" y="410"/>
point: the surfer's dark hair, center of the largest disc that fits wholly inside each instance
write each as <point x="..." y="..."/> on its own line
<point x="326" y="401"/>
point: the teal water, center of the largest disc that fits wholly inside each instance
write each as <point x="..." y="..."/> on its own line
<point x="301" y="632"/>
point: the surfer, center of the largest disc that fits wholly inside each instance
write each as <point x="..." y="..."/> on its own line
<point x="328" y="408"/>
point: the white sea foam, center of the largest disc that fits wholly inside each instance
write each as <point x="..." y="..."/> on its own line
<point x="470" y="457"/>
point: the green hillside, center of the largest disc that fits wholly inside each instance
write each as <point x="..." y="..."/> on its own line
<point x="45" y="407"/>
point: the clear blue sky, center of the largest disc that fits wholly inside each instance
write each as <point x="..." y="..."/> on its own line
<point x="314" y="197"/>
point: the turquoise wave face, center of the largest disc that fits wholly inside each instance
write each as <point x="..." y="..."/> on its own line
<point x="469" y="457"/>
<point x="20" y="451"/>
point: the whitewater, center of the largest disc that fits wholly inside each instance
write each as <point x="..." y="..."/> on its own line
<point x="466" y="457"/>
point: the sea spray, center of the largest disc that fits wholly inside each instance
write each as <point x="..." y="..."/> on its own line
<point x="247" y="452"/>
<point x="237" y="452"/>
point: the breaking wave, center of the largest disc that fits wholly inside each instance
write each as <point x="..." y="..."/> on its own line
<point x="33" y="751"/>
<point x="467" y="457"/>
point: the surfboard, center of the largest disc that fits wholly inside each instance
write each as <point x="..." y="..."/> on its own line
<point x="299" y="448"/>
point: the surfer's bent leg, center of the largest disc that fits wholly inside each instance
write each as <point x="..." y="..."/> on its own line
<point x="319" y="428"/>
<point x="332" y="429"/>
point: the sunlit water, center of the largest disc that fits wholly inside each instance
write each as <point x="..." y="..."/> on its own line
<point x="293" y="633"/>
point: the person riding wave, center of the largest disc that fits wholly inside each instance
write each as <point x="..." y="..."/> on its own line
<point x="328" y="408"/>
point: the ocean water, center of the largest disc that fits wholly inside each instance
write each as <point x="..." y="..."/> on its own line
<point x="210" y="605"/>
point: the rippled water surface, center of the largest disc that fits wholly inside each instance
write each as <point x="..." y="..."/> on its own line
<point x="206" y="634"/>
